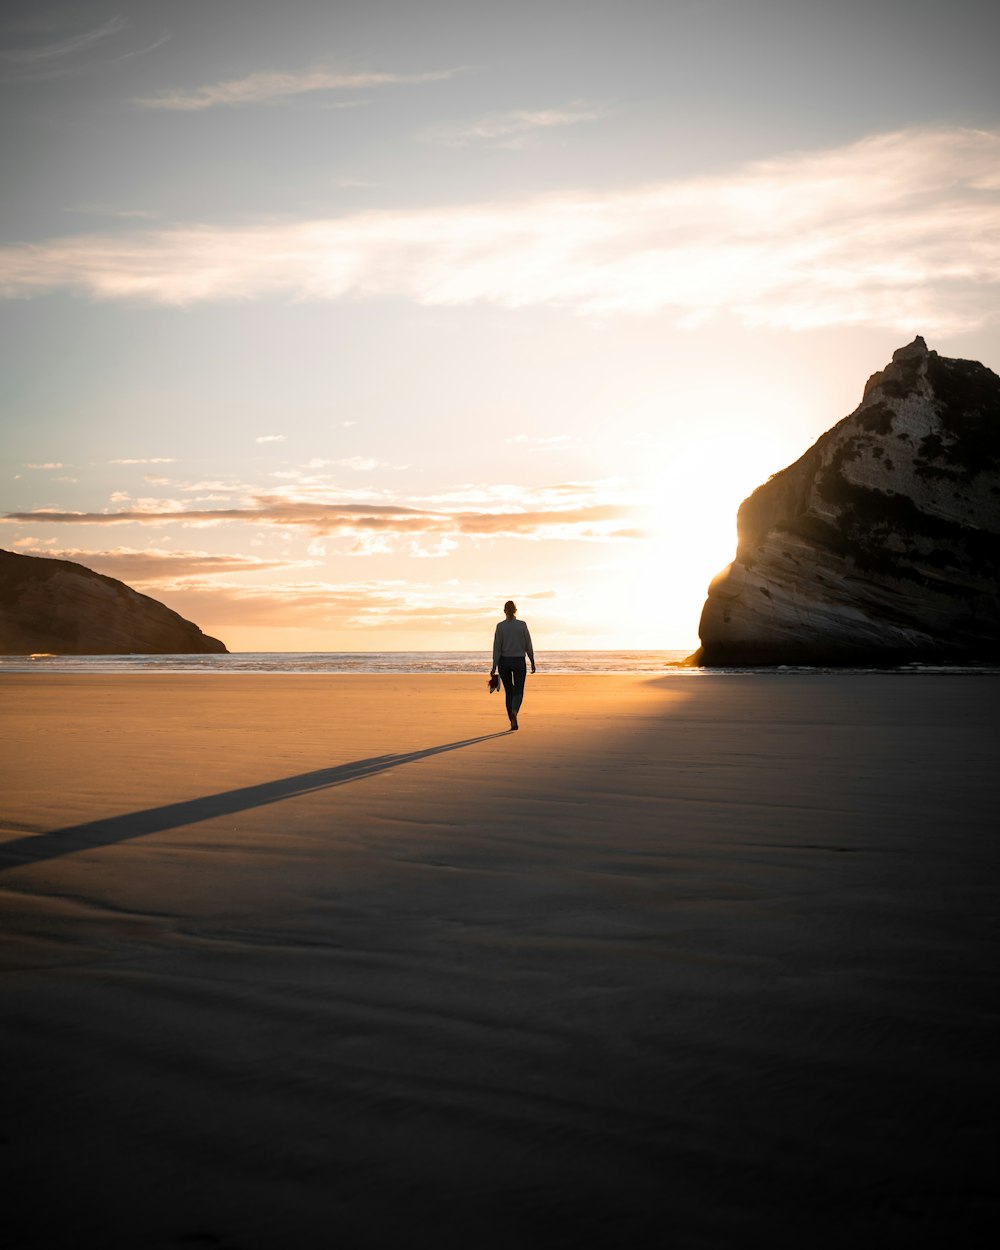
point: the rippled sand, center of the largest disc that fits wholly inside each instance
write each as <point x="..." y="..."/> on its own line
<point x="332" y="961"/>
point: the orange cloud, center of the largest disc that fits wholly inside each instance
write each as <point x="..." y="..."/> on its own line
<point x="581" y="521"/>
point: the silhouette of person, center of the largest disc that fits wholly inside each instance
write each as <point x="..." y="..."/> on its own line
<point x="511" y="643"/>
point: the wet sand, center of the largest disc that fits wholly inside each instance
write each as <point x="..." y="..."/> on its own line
<point x="333" y="961"/>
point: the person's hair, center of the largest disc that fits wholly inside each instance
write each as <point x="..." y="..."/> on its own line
<point x="510" y="604"/>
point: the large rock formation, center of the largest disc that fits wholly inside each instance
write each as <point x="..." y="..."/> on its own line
<point x="57" y="606"/>
<point x="881" y="545"/>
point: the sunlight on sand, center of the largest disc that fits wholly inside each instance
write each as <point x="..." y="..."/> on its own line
<point x="333" y="955"/>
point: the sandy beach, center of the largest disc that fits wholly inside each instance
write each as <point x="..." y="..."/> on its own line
<point x="338" y="961"/>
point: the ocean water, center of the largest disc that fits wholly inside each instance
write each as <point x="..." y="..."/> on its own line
<point x="305" y="662"/>
<point x="341" y="662"/>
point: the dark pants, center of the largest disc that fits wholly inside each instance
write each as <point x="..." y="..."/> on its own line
<point x="512" y="673"/>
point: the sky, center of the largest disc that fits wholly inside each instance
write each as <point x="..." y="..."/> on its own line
<point x="335" y="325"/>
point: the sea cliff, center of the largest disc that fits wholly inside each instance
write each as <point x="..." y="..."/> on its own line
<point x="882" y="543"/>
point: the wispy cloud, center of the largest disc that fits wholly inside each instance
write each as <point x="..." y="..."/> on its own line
<point x="111" y="210"/>
<point x="311" y="473"/>
<point x="215" y="485"/>
<point x="151" y="566"/>
<point x="895" y="230"/>
<point x="357" y="464"/>
<point x="146" y="460"/>
<point x="70" y="55"/>
<point x="49" y="59"/>
<point x="269" y="85"/>
<point x="538" y="442"/>
<point x="49" y="464"/>
<point x="512" y="129"/>
<point x="369" y="605"/>
<point x="313" y="479"/>
<point x="273" y="438"/>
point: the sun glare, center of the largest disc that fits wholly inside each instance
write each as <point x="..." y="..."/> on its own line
<point x="694" y="496"/>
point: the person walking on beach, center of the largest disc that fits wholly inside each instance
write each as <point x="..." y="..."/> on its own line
<point x="511" y="643"/>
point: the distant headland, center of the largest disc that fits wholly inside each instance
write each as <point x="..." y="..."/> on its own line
<point x="57" y="606"/>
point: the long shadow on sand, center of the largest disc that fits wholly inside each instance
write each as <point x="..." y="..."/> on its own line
<point x="58" y="842"/>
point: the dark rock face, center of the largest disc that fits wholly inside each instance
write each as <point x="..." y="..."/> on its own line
<point x="882" y="543"/>
<point x="64" y="608"/>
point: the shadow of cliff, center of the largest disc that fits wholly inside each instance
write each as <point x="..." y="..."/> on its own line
<point x="38" y="847"/>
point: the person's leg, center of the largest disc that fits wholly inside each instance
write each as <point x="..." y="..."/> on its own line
<point x="507" y="677"/>
<point x="519" y="674"/>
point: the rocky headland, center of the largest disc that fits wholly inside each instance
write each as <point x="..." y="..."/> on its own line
<point x="881" y="545"/>
<point x="64" y="608"/>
